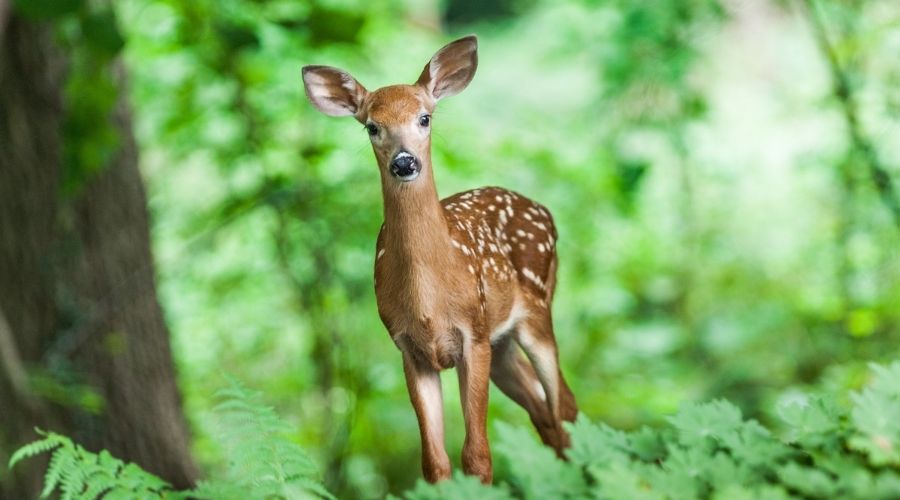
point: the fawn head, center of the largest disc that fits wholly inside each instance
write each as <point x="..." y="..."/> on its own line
<point x="397" y="118"/>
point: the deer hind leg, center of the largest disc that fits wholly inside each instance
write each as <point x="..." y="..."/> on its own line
<point x="513" y="375"/>
<point x="535" y="336"/>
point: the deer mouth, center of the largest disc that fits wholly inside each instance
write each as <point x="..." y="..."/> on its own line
<point x="406" y="175"/>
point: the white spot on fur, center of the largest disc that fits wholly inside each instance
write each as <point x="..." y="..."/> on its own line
<point x="380" y="253"/>
<point x="529" y="275"/>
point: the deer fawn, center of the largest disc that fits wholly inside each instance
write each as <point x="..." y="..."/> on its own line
<point x="466" y="281"/>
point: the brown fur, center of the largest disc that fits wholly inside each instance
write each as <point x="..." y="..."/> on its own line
<point x="463" y="282"/>
<point x="391" y="106"/>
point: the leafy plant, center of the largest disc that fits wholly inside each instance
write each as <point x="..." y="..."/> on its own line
<point x="263" y="462"/>
<point x="78" y="473"/>
<point x="708" y="451"/>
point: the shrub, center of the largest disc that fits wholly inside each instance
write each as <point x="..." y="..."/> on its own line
<point x="708" y="451"/>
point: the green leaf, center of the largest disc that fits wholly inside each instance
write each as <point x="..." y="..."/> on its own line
<point x="810" y="420"/>
<point x="36" y="448"/>
<point x="876" y="417"/>
<point x="648" y="444"/>
<point x="535" y="469"/>
<point x="696" y="423"/>
<point x="459" y="487"/>
<point x="596" y="443"/>
<point x="762" y="492"/>
<point x="620" y="480"/>
<point x="753" y="445"/>
<point x="683" y="473"/>
<point x="808" y="480"/>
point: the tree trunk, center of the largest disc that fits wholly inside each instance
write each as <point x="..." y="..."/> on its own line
<point x="78" y="305"/>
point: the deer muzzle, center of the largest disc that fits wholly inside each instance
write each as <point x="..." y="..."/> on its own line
<point x="405" y="166"/>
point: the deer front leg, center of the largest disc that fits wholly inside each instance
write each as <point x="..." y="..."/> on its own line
<point x="424" y="385"/>
<point x="474" y="372"/>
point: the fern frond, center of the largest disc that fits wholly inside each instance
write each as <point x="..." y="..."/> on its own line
<point x="49" y="442"/>
<point x="76" y="472"/>
<point x="262" y="459"/>
<point x="61" y="462"/>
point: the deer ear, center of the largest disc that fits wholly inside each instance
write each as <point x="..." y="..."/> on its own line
<point x="451" y="68"/>
<point x="332" y="91"/>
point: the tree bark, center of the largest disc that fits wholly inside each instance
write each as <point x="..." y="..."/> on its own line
<point x="78" y="304"/>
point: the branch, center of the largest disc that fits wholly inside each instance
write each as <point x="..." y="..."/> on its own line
<point x="877" y="171"/>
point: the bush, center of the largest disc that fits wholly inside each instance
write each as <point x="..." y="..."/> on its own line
<point x="708" y="451"/>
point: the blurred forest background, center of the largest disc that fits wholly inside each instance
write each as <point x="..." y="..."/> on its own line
<point x="723" y="173"/>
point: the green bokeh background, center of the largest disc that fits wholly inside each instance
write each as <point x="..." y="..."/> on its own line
<point x="721" y="234"/>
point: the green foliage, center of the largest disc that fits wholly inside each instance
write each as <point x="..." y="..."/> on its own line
<point x="876" y="418"/>
<point x="459" y="487"/>
<point x="534" y="469"/>
<point x="708" y="205"/>
<point x="711" y="451"/>
<point x="264" y="462"/>
<point x="78" y="473"/>
<point x="708" y="451"/>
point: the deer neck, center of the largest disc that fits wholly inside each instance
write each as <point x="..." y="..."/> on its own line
<point x="416" y="231"/>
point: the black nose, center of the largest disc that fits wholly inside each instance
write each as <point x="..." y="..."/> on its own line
<point x="404" y="165"/>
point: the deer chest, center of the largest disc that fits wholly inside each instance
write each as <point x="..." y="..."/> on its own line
<point x="423" y="318"/>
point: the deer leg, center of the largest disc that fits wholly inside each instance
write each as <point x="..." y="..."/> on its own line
<point x="536" y="339"/>
<point x="568" y="408"/>
<point x="474" y="374"/>
<point x="424" y="385"/>
<point x="513" y="375"/>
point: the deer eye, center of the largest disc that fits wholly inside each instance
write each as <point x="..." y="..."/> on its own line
<point x="424" y="120"/>
<point x="372" y="129"/>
